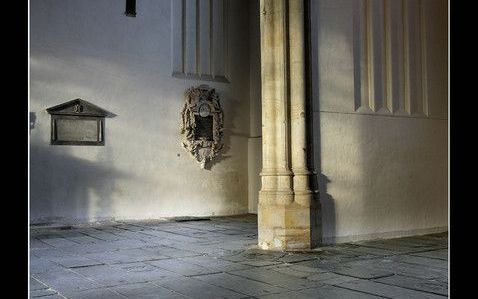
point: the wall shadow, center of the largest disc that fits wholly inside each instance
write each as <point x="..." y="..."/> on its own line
<point x="32" y="120"/>
<point x="318" y="181"/>
<point x="77" y="190"/>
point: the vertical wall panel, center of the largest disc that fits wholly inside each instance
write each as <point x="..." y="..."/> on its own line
<point x="423" y="56"/>
<point x="199" y="34"/>
<point x="396" y="57"/>
<point x="376" y="48"/>
<point x="388" y="65"/>
<point x="218" y="38"/>
<point x="414" y="57"/>
<point x="360" y="46"/>
<point x="177" y="35"/>
<point x="191" y="37"/>
<point x="204" y="36"/>
<point x="391" y="51"/>
<point x="435" y="19"/>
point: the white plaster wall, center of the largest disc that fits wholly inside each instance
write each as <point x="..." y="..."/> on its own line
<point x="379" y="175"/>
<point x="88" y="49"/>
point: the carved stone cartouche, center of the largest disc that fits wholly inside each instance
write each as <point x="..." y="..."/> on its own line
<point x="202" y="124"/>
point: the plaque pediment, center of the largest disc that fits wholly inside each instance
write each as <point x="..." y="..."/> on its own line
<point x="79" y="107"/>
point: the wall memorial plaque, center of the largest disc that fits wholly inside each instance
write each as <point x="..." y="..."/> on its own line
<point x="78" y="122"/>
<point x="202" y="124"/>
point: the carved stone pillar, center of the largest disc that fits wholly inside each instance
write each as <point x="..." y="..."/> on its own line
<point x="287" y="210"/>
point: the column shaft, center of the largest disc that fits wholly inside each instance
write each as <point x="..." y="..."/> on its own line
<point x="285" y="212"/>
<point x="276" y="174"/>
<point x="298" y="102"/>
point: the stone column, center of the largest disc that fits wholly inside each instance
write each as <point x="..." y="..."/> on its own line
<point x="298" y="102"/>
<point x="286" y="211"/>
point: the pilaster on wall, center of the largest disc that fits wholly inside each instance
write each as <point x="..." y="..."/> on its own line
<point x="287" y="210"/>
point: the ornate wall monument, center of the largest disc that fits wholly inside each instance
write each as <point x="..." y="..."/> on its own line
<point x="202" y="124"/>
<point x="287" y="209"/>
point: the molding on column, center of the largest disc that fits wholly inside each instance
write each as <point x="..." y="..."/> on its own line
<point x="276" y="172"/>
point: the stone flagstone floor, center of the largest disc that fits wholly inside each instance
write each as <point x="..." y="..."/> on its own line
<point x="218" y="258"/>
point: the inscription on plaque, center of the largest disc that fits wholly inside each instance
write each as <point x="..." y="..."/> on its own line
<point x="77" y="130"/>
<point x="203" y="127"/>
<point x="78" y="122"/>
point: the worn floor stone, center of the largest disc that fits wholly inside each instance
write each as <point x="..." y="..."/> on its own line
<point x="388" y="291"/>
<point x="66" y="280"/>
<point x="101" y="293"/>
<point x="219" y="258"/>
<point x="241" y="284"/>
<point x="275" y="278"/>
<point x="41" y="265"/>
<point x="214" y="263"/>
<point x="331" y="278"/>
<point x="42" y="293"/>
<point x="326" y="291"/>
<point x="419" y="260"/>
<point x="294" y="270"/>
<point x="183" y="268"/>
<point x="75" y="261"/>
<point x="56" y="296"/>
<point x="147" y="290"/>
<point x="430" y="286"/>
<point x="36" y="285"/>
<point x="441" y="254"/>
<point x="197" y="289"/>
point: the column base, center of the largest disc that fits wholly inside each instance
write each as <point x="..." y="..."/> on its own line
<point x="288" y="225"/>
